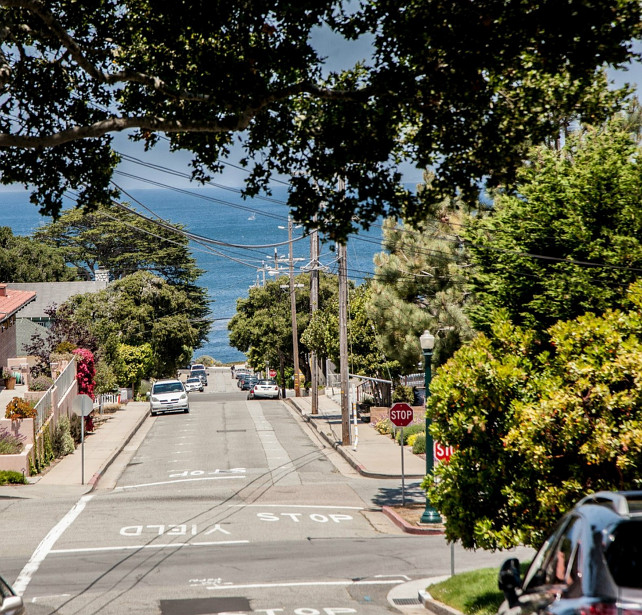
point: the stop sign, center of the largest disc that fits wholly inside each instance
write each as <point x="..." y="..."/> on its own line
<point x="401" y="414"/>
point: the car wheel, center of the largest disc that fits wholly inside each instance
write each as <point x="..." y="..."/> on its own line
<point x="186" y="410"/>
<point x="153" y="413"/>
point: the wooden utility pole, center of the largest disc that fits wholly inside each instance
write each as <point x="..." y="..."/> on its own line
<point x="314" y="306"/>
<point x="295" y="337"/>
<point x="343" y="337"/>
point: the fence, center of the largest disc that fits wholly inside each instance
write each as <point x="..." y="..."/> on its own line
<point x="63" y="383"/>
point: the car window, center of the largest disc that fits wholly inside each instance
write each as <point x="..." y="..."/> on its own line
<point x="267" y="382"/>
<point x="168" y="387"/>
<point x="553" y="560"/>
<point x="195" y="379"/>
<point x="624" y="554"/>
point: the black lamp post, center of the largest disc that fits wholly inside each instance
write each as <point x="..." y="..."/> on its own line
<point x="427" y="341"/>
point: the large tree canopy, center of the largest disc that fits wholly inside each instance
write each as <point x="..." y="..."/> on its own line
<point x="458" y="86"/>
<point x="570" y="241"/>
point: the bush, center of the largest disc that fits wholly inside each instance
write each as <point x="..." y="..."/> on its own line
<point x="110" y="408"/>
<point x="75" y="427"/>
<point x="9" y="477"/>
<point x="408" y="431"/>
<point x="403" y="393"/>
<point x="62" y="442"/>
<point x="40" y="383"/>
<point x="384" y="426"/>
<point x="10" y="444"/>
<point x="419" y="445"/>
<point x="18" y="408"/>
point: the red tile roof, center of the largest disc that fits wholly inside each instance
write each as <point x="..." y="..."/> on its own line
<point x="12" y="300"/>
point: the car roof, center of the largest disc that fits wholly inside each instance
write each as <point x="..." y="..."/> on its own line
<point x="626" y="504"/>
<point x="193" y="378"/>
<point x="167" y="381"/>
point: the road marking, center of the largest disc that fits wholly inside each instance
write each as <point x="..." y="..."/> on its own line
<point x="47" y="543"/>
<point x="295" y="506"/>
<point x="346" y="583"/>
<point x="174" y="545"/>
<point x="169" y="482"/>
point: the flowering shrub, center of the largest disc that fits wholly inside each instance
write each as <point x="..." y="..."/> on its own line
<point x="10" y="444"/>
<point x="85" y="371"/>
<point x="18" y="408"/>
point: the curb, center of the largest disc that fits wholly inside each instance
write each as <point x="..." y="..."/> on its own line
<point x="93" y="481"/>
<point x="434" y="607"/>
<point x="400" y="522"/>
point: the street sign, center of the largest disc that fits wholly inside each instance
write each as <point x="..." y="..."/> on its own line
<point x="82" y="404"/>
<point x="272" y="373"/>
<point x="401" y="414"/>
<point x="442" y="452"/>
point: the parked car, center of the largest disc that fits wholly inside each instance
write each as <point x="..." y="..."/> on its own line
<point x="248" y="383"/>
<point x="194" y="383"/>
<point x="168" y="396"/>
<point x="590" y="565"/>
<point x="241" y="371"/>
<point x="10" y="602"/>
<point x="242" y="378"/>
<point x="197" y="366"/>
<point x="199" y="373"/>
<point x="266" y="388"/>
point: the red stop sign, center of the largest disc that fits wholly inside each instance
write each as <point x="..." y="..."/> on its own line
<point x="401" y="414"/>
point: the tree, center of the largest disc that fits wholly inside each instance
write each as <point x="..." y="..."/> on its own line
<point x="460" y="87"/>
<point x="133" y="363"/>
<point x="23" y="259"/>
<point x="262" y="325"/>
<point x="570" y="241"/>
<point x="142" y="309"/>
<point x="534" y="429"/>
<point x="120" y="241"/>
<point x="365" y="355"/>
<point x="418" y="285"/>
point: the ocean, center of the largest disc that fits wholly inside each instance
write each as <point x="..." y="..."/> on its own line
<point x="221" y="215"/>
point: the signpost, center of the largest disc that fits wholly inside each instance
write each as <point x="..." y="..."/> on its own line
<point x="401" y="415"/>
<point x="83" y="405"/>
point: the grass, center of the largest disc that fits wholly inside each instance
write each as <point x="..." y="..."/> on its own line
<point x="472" y="593"/>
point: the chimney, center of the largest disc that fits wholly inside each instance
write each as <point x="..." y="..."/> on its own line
<point x="3" y="290"/>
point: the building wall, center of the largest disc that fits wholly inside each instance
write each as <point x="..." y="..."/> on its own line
<point x="7" y="340"/>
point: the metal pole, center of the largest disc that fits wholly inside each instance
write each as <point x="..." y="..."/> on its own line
<point x="430" y="515"/>
<point x="343" y="345"/>
<point x="82" y="447"/>
<point x="403" y="480"/>
<point x="295" y="337"/>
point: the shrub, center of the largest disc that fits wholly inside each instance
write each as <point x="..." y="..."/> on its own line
<point x="408" y="431"/>
<point x="110" y="408"/>
<point x="384" y="426"/>
<point x="85" y="371"/>
<point x="62" y="442"/>
<point x="419" y="445"/>
<point x="9" y="477"/>
<point x="403" y="393"/>
<point x="18" y="408"/>
<point x="41" y="383"/>
<point x="65" y="348"/>
<point x="75" y="427"/>
<point x="10" y="444"/>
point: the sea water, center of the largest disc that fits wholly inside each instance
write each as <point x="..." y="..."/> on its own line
<point x="223" y="216"/>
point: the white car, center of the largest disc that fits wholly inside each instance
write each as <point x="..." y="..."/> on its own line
<point x="194" y="383"/>
<point x="197" y="366"/>
<point x="168" y="396"/>
<point x="266" y="388"/>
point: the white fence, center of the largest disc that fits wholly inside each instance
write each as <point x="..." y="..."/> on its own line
<point x="62" y="384"/>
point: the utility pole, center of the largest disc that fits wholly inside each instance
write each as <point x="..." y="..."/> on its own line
<point x="314" y="306"/>
<point x="343" y="337"/>
<point x="295" y="337"/>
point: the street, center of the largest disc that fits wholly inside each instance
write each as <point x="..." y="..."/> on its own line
<point x="234" y="507"/>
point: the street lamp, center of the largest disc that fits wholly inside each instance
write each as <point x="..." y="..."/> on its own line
<point x="427" y="341"/>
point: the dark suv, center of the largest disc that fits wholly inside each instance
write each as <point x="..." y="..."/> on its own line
<point x="590" y="565"/>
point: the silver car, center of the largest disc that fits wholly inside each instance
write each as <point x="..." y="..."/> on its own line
<point x="168" y="396"/>
<point x="194" y="383"/>
<point x="9" y="601"/>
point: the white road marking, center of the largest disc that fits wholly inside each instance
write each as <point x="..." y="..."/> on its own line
<point x="174" y="545"/>
<point x="307" y="584"/>
<point x="47" y="543"/>
<point x="294" y="506"/>
<point x="169" y="482"/>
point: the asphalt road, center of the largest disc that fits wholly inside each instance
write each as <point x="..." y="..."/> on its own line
<point x="235" y="507"/>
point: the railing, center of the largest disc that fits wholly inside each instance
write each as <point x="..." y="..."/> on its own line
<point x="106" y="398"/>
<point x="45" y="404"/>
<point x="43" y="408"/>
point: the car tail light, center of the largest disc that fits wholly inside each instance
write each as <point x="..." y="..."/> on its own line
<point x="610" y="608"/>
<point x="599" y="608"/>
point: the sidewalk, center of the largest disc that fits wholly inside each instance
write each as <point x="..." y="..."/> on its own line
<point x="65" y="477"/>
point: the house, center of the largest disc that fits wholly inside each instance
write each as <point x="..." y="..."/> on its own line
<point x="34" y="319"/>
<point x="12" y="300"/>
